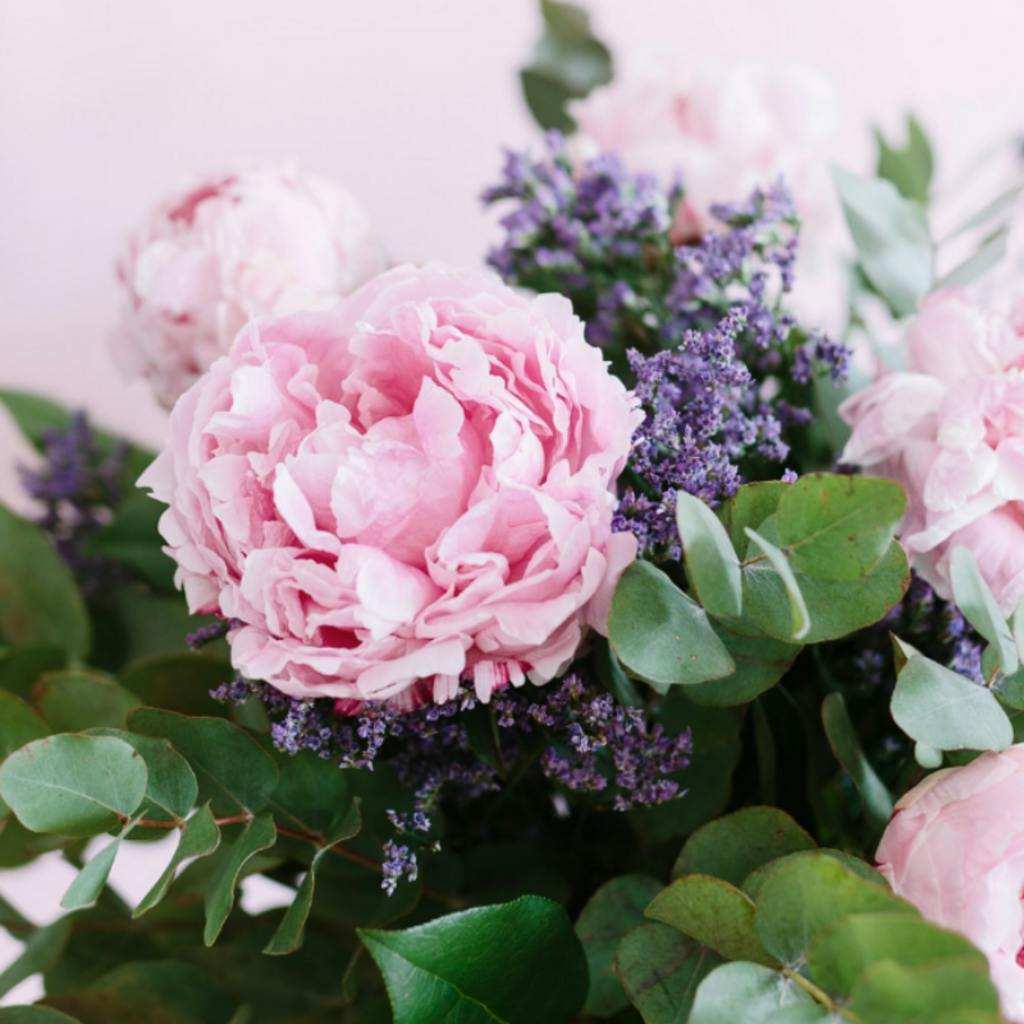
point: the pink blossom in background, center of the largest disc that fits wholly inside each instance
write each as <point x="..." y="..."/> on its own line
<point x="417" y="486"/>
<point x="955" y="849"/>
<point x="951" y="430"/>
<point x="265" y="241"/>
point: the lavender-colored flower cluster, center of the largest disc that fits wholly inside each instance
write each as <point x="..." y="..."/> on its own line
<point x="720" y="368"/>
<point x="586" y="742"/>
<point x="78" y="484"/>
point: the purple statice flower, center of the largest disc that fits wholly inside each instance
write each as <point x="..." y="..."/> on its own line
<point x="78" y="485"/>
<point x="399" y="861"/>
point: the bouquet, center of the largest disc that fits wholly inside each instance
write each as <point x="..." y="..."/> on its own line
<point x="628" y="631"/>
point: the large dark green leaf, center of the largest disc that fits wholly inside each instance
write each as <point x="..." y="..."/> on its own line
<point x="234" y="773"/>
<point x="39" y="602"/>
<point x="567" y="62"/>
<point x="73" y="785"/>
<point x="613" y="910"/>
<point x="518" y="963"/>
<point x="660" y="634"/>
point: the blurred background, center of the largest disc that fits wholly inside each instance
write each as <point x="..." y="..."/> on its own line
<point x="104" y="107"/>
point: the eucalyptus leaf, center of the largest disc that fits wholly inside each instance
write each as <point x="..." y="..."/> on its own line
<point x="79" y="699"/>
<point x="991" y="252"/>
<point x="909" y="167"/>
<point x="711" y="562"/>
<point x="941" y="709"/>
<point x="660" y="634"/>
<point x="744" y="992"/>
<point x="714" y="913"/>
<point x="760" y="663"/>
<point x="258" y="835"/>
<point x="613" y="910"/>
<point x="19" y="669"/>
<point x="39" y="601"/>
<point x="73" y="785"/>
<point x="660" y="969"/>
<point x="731" y="847"/>
<point x="974" y="598"/>
<point x="42" y="949"/>
<point x="87" y="885"/>
<point x="892" y="238"/>
<point x="515" y="963"/>
<point x="19" y="725"/>
<point x="178" y="682"/>
<point x="33" y="1015"/>
<point x="842" y="738"/>
<point x="801" y="617"/>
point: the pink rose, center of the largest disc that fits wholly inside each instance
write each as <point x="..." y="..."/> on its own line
<point x="955" y="849"/>
<point x="414" y="488"/>
<point x="268" y="241"/>
<point x="951" y="430"/>
<point x="727" y="132"/>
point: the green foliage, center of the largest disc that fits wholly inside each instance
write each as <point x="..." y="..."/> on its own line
<point x="39" y="602"/>
<point x="892" y="238"/>
<point x="711" y="562"/>
<point x="517" y="962"/>
<point x="974" y="598"/>
<point x="80" y="699"/>
<point x="567" y="62"/>
<point x="909" y="167"/>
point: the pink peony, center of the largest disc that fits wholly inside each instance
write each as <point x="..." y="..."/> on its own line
<point x="955" y="849"/>
<point x="728" y="133"/>
<point x="951" y="430"/>
<point x="413" y="488"/>
<point x="240" y="245"/>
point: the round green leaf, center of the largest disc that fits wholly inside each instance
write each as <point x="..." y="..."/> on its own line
<point x="517" y="963"/>
<point x="660" y="634"/>
<point x="715" y="913"/>
<point x="760" y="663"/>
<point x="838" y="527"/>
<point x="750" y="506"/>
<point x="39" y="602"/>
<point x="974" y="598"/>
<point x="744" y="992"/>
<point x="731" y="847"/>
<point x="612" y="911"/>
<point x="755" y="881"/>
<point x="800" y="624"/>
<point x="73" y="785"/>
<point x="80" y="699"/>
<point x="711" y="562"/>
<point x="937" y="707"/>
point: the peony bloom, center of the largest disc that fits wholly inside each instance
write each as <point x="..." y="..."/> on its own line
<point x="955" y="849"/>
<point x="728" y="133"/>
<point x="262" y="242"/>
<point x="951" y="430"/>
<point x="414" y="488"/>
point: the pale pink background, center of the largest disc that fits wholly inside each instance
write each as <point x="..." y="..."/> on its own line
<point x="105" y="105"/>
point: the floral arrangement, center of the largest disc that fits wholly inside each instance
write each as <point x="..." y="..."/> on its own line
<point x="596" y="635"/>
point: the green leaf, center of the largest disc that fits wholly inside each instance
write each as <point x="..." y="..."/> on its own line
<point x="171" y="787"/>
<point x="33" y="1015"/>
<point x="258" y="834"/>
<point x="838" y="527"/>
<point x="926" y="756"/>
<point x="750" y="506"/>
<point x="808" y="894"/>
<point x="991" y="252"/>
<point x="660" y="970"/>
<point x="939" y="708"/>
<point x="660" y="634"/>
<point x="842" y="952"/>
<point x="19" y="725"/>
<point x="715" y="913"/>
<point x="73" y="785"/>
<point x="840" y="607"/>
<point x="731" y="847"/>
<point x="39" y="601"/>
<point x="974" y="598"/>
<point x="910" y="166"/>
<point x="612" y="911"/>
<point x="87" y="885"/>
<point x="516" y="963"/>
<point x="178" y="682"/>
<point x="234" y="773"/>
<point x="744" y="992"/>
<point x="842" y="738"/>
<point x="567" y="62"/>
<point x="760" y="663"/>
<point x="199" y="838"/>
<point x="154" y="991"/>
<point x="42" y="949"/>
<point x="313" y="794"/>
<point x="132" y="539"/>
<point x="755" y="881"/>
<point x="20" y="669"/>
<point x="890" y="993"/>
<point x="288" y="936"/>
<point x="892" y="238"/>
<point x="36" y="415"/>
<point x="801" y="617"/>
<point x="711" y="562"/>
<point x="80" y="699"/>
